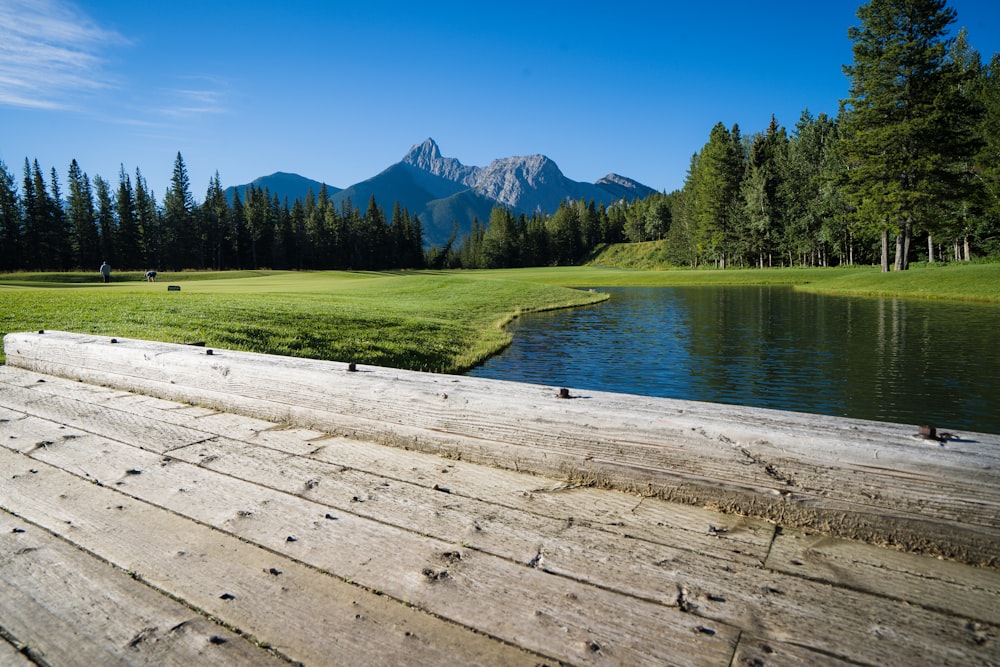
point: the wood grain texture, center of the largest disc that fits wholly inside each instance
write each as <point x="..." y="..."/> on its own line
<point x="420" y="553"/>
<point x="865" y="480"/>
<point x="65" y="607"/>
<point x="420" y="545"/>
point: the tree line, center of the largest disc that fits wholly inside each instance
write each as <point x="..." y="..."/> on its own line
<point x="910" y="166"/>
<point x="41" y="228"/>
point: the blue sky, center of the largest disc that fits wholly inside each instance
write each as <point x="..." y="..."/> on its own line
<point x="338" y="92"/>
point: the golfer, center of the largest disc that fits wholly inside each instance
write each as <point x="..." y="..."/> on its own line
<point x="106" y="272"/>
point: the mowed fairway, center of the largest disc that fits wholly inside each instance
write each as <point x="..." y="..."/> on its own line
<point x="443" y="322"/>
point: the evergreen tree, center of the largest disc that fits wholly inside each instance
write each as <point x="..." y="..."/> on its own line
<point x="83" y="219"/>
<point x="57" y="236"/>
<point x="32" y="206"/>
<point x="180" y="239"/>
<point x="11" y="248"/>
<point x="762" y="218"/>
<point x="149" y="222"/>
<point x="107" y="225"/>
<point x="987" y="160"/>
<point x="129" y="241"/>
<point x="215" y="216"/>
<point x="901" y="152"/>
<point x="714" y="186"/>
<point x="256" y="215"/>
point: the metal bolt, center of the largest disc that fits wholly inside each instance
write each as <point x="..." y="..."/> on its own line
<point x="564" y="393"/>
<point x="209" y="352"/>
<point x="352" y="367"/>
<point x="114" y="340"/>
<point x="41" y="331"/>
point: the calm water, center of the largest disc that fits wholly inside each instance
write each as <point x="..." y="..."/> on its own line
<point x="907" y="361"/>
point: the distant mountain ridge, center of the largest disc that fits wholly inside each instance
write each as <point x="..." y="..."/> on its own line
<point x="282" y="184"/>
<point x="442" y="191"/>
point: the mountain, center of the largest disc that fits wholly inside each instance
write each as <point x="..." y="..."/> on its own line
<point x="442" y="191"/>
<point x="282" y="184"/>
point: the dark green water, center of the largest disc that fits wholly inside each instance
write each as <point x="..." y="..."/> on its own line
<point x="899" y="360"/>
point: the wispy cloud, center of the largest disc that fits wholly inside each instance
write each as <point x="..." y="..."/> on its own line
<point x="200" y="95"/>
<point x="50" y="51"/>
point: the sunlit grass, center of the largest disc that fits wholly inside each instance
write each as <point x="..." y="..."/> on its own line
<point x="422" y="321"/>
<point x="968" y="282"/>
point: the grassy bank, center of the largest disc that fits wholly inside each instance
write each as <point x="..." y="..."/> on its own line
<point x="423" y="321"/>
<point x="965" y="282"/>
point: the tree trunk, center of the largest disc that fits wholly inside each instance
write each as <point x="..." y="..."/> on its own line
<point x="930" y="249"/>
<point x="968" y="255"/>
<point x="885" y="251"/>
<point x="903" y="248"/>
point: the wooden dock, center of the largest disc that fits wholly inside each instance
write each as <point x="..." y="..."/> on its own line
<point x="170" y="504"/>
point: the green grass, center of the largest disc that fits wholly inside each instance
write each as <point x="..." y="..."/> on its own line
<point x="423" y="321"/>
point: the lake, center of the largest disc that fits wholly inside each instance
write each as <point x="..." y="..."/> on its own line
<point x="900" y="360"/>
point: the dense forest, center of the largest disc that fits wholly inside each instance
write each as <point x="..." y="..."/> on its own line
<point x="908" y="169"/>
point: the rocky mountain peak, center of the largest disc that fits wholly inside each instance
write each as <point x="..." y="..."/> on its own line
<point x="427" y="157"/>
<point x="526" y="182"/>
<point x="423" y="155"/>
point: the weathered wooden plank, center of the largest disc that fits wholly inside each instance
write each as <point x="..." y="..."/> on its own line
<point x="631" y="516"/>
<point x="802" y="470"/>
<point x="63" y="606"/>
<point x="824" y="618"/>
<point x="150" y="434"/>
<point x="929" y="582"/>
<point x="524" y="606"/>
<point x="466" y="517"/>
<point x="303" y="613"/>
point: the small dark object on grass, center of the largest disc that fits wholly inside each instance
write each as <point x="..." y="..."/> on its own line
<point x="564" y="393"/>
<point x="173" y="288"/>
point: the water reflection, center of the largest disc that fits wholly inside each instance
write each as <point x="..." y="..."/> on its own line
<point x="887" y="359"/>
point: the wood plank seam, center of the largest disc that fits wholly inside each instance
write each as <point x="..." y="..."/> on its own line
<point x="24" y="649"/>
<point x="136" y="577"/>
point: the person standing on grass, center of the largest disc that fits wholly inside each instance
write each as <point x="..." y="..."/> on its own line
<point x="106" y="272"/>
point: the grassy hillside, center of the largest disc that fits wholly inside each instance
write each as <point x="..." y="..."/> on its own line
<point x="423" y="321"/>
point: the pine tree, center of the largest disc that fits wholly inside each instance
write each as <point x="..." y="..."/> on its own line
<point x="900" y="149"/>
<point x="149" y="222"/>
<point x="83" y="219"/>
<point x="11" y="227"/>
<point x="129" y="242"/>
<point x="713" y="187"/>
<point x="988" y="159"/>
<point x="179" y="237"/>
<point x="107" y="223"/>
<point x="57" y="237"/>
<point x="214" y="213"/>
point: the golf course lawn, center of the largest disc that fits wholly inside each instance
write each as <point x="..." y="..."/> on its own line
<point x="436" y="321"/>
<point x="421" y="321"/>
